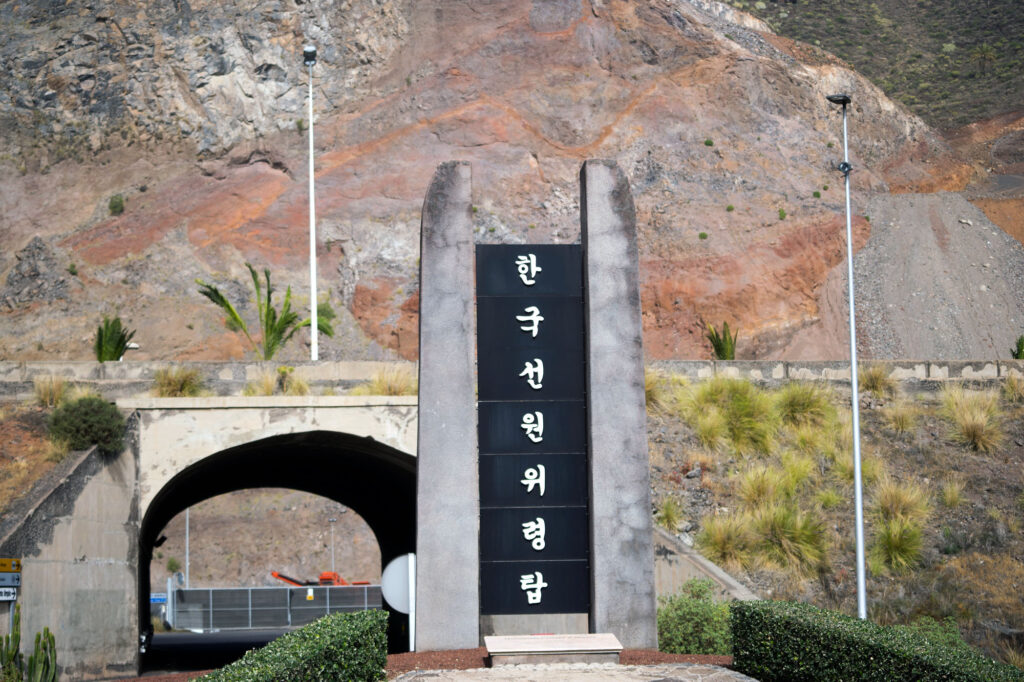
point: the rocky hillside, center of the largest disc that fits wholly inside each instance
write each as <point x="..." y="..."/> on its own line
<point x="193" y="114"/>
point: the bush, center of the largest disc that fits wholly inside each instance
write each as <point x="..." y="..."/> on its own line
<point x="341" y="646"/>
<point x="179" y="382"/>
<point x="691" y="622"/>
<point x="116" y="205"/>
<point x="88" y="421"/>
<point x="794" y="642"/>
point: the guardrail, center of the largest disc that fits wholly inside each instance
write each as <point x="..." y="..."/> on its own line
<point x="247" y="608"/>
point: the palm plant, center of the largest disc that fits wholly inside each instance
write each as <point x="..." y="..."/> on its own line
<point x="276" y="328"/>
<point x="111" y="340"/>
<point x="1017" y="352"/>
<point x="984" y="56"/>
<point x="723" y="344"/>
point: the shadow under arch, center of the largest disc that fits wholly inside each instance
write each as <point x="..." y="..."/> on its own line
<point x="375" y="480"/>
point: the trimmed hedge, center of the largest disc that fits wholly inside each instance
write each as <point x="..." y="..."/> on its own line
<point x="793" y="642"/>
<point x="341" y="646"/>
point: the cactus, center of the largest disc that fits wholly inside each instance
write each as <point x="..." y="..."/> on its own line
<point x="42" y="664"/>
<point x="11" y="661"/>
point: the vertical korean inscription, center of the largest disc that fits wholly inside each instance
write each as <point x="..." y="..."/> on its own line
<point x="533" y="452"/>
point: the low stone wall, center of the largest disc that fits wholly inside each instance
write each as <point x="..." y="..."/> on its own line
<point x="135" y="379"/>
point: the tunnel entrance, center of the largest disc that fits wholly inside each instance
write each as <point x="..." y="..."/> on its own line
<point x="374" y="480"/>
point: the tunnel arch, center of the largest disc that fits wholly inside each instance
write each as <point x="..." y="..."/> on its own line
<point x="375" y="480"/>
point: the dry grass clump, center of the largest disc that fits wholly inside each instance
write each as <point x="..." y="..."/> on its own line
<point x="390" y="381"/>
<point x="901" y="417"/>
<point x="895" y="499"/>
<point x="787" y="537"/>
<point x="661" y="390"/>
<point x="828" y="498"/>
<point x="77" y="392"/>
<point x="952" y="492"/>
<point x="751" y="423"/>
<point x="974" y="417"/>
<point x="986" y="583"/>
<point x="49" y="390"/>
<point x="670" y="513"/>
<point x="759" y="485"/>
<point x="177" y="382"/>
<point x="57" y="449"/>
<point x="710" y="428"/>
<point x="1013" y="389"/>
<point x="266" y="384"/>
<point x="801" y="403"/>
<point x="871" y="468"/>
<point x="726" y="540"/>
<point x="876" y="380"/>
<point x="897" y="545"/>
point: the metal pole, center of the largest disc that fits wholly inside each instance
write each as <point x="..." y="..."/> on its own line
<point x="862" y="607"/>
<point x="186" y="548"/>
<point x="313" y="351"/>
<point x="331" y="521"/>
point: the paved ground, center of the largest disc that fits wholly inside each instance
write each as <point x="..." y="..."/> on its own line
<point x="579" y="672"/>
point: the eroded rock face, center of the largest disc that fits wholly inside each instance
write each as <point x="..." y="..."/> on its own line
<point x="35" y="277"/>
<point x="195" y="113"/>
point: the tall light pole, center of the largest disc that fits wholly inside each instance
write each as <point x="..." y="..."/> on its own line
<point x="332" y="521"/>
<point x="309" y="59"/>
<point x="858" y="490"/>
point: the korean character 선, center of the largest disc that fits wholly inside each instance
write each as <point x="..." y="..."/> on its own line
<point x="534" y="373"/>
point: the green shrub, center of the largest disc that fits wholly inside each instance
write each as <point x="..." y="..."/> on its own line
<point x="88" y="421"/>
<point x="817" y="194"/>
<point x="709" y="142"/>
<point x="794" y="642"/>
<point x="782" y="214"/>
<point x="730" y="208"/>
<point x="341" y="646"/>
<point x="702" y="235"/>
<point x="691" y="622"/>
<point x="116" y="204"/>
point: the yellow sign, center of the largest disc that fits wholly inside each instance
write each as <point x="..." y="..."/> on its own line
<point x="10" y="565"/>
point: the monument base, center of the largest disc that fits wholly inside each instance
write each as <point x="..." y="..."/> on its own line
<point x="533" y="649"/>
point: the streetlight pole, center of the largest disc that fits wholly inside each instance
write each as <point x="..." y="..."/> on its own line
<point x="309" y="59"/>
<point x="858" y="490"/>
<point x="332" y="543"/>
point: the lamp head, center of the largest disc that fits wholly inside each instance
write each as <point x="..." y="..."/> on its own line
<point x="309" y="55"/>
<point x="840" y="98"/>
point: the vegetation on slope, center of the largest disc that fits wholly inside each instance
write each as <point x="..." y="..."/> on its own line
<point x="950" y="61"/>
<point x="762" y="480"/>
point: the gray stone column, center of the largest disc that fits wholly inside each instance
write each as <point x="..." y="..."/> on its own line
<point x="623" y="597"/>
<point x="448" y="492"/>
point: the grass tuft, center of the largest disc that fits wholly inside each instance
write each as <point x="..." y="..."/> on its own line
<point x="264" y="385"/>
<point x="901" y="417"/>
<point x="974" y="418"/>
<point x="726" y="540"/>
<point x="875" y="380"/>
<point x="789" y="538"/>
<point x="390" y="381"/>
<point x="1013" y="389"/>
<point x="828" y="498"/>
<point x="952" y="493"/>
<point x="49" y="390"/>
<point x="907" y="500"/>
<point x="177" y="382"/>
<point x="801" y="403"/>
<point x="711" y="428"/>
<point x="670" y="513"/>
<point x="897" y="545"/>
<point x="759" y="486"/>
